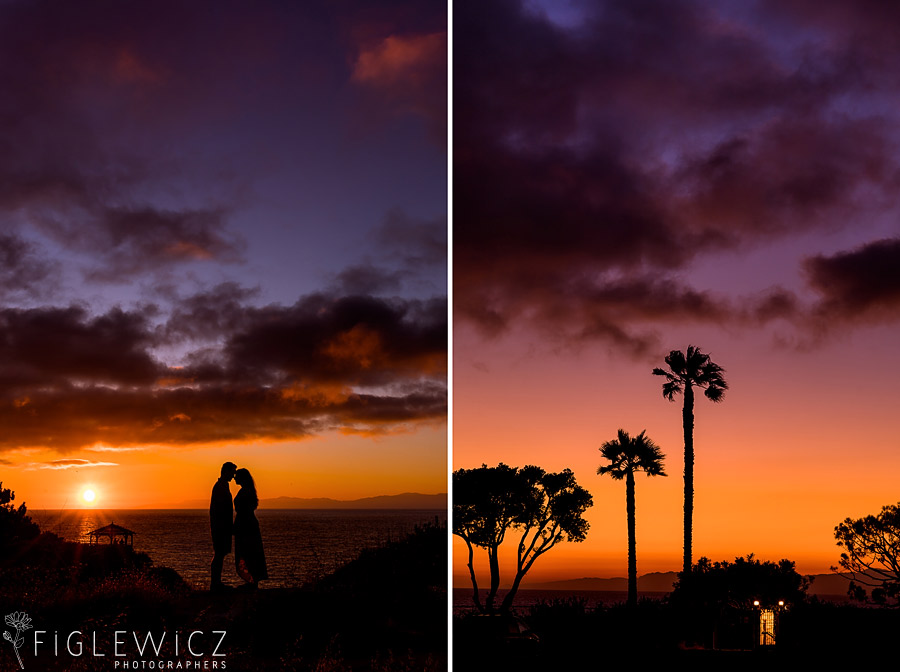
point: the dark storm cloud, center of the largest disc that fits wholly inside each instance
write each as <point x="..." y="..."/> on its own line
<point x="344" y="340"/>
<point x="409" y="74"/>
<point x="792" y="174"/>
<point x="210" y="314"/>
<point x="415" y="242"/>
<point x="411" y="253"/>
<point x="51" y="346"/>
<point x="775" y="303"/>
<point x="133" y="131"/>
<point x="131" y="134"/>
<point x="650" y="136"/>
<point x="399" y="61"/>
<point x="359" y="339"/>
<point x="188" y="415"/>
<point x="84" y="88"/>
<point x="367" y="277"/>
<point x="124" y="242"/>
<point x="105" y="105"/>
<point x="625" y="311"/>
<point x="358" y="364"/>
<point x="868" y="25"/>
<point x="862" y="283"/>
<point x="23" y="270"/>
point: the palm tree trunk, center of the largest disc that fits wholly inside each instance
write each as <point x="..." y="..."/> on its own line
<point x="632" y="543"/>
<point x="688" y="423"/>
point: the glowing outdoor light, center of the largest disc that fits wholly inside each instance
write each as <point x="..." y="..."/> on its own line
<point x="780" y="603"/>
<point x="755" y="603"/>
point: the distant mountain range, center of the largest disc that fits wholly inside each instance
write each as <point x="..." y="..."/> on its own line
<point x="406" y="500"/>
<point x="655" y="582"/>
<point x="661" y="582"/>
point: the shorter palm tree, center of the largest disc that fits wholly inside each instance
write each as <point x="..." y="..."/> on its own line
<point x="627" y="455"/>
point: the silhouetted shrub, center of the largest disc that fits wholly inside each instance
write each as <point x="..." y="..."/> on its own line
<point x="15" y="525"/>
<point x="717" y="585"/>
<point x="871" y="556"/>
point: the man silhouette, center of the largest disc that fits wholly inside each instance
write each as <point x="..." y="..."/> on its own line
<point x="221" y="522"/>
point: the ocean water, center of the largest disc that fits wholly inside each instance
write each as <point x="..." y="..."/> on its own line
<point x="301" y="545"/>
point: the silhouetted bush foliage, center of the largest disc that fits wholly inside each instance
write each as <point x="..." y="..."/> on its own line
<point x="41" y="571"/>
<point x="415" y="563"/>
<point x="871" y="555"/>
<point x="715" y="602"/>
<point x="15" y="525"/>
<point x="718" y="585"/>
<point x="811" y="633"/>
<point x="387" y="609"/>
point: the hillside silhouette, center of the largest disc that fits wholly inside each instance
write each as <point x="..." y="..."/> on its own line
<point x="385" y="610"/>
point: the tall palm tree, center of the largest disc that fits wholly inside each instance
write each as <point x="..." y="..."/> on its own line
<point x="687" y="371"/>
<point x="627" y="455"/>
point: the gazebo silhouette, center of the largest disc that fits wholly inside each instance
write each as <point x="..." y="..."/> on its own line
<point x="113" y="532"/>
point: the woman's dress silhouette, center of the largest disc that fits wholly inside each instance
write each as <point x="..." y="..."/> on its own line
<point x="249" y="558"/>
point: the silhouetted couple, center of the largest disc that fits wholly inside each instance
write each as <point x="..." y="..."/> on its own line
<point x="249" y="558"/>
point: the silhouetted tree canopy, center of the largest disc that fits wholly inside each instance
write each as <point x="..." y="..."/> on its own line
<point x="872" y="555"/>
<point x="540" y="508"/>
<point x="718" y="585"/>
<point x="486" y="502"/>
<point x="15" y="524"/>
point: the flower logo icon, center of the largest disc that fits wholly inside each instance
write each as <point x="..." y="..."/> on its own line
<point x="18" y="621"/>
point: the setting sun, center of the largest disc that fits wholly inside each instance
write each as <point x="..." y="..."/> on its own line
<point x="89" y="496"/>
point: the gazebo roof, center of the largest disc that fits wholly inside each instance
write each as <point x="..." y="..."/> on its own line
<point x="111" y="530"/>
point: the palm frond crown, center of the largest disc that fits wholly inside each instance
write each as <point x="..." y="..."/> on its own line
<point x="693" y="368"/>
<point x="626" y="454"/>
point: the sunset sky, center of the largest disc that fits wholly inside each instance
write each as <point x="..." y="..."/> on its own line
<point x="222" y="236"/>
<point x="634" y="177"/>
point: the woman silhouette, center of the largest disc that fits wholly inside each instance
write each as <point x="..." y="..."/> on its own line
<point x="249" y="558"/>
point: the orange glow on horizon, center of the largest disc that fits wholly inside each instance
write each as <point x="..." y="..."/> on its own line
<point x="333" y="465"/>
<point x="779" y="463"/>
